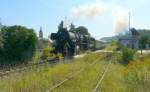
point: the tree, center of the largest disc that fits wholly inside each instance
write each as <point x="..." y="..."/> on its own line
<point x="1" y="41"/>
<point x="82" y="30"/>
<point x="18" y="44"/>
<point x="143" y="40"/>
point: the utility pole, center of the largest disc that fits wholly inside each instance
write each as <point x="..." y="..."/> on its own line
<point x="129" y="23"/>
<point x="132" y="45"/>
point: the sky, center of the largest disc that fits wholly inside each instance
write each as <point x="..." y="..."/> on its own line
<point x="103" y="18"/>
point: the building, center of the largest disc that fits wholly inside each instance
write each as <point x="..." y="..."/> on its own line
<point x="40" y="33"/>
<point x="131" y="40"/>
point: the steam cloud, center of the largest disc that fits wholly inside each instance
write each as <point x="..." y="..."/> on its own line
<point x="89" y="11"/>
<point x="94" y="10"/>
<point x="120" y="19"/>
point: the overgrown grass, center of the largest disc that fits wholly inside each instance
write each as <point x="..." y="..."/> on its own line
<point x="134" y="77"/>
<point x="44" y="77"/>
<point x="137" y="75"/>
<point x="86" y="81"/>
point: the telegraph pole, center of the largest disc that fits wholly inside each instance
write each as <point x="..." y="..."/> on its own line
<point x="129" y="23"/>
<point x="130" y="31"/>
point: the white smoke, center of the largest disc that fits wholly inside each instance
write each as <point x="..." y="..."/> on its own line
<point x="89" y="11"/>
<point x="94" y="10"/>
<point x="120" y="18"/>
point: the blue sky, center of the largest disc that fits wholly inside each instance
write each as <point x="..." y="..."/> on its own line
<point x="110" y="14"/>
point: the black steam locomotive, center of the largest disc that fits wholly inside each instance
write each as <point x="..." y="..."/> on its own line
<point x="69" y="43"/>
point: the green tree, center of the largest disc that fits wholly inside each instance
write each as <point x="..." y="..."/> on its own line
<point x="1" y="41"/>
<point x="143" y="41"/>
<point x="18" y="44"/>
<point x="81" y="30"/>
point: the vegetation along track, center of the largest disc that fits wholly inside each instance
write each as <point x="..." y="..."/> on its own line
<point x="69" y="77"/>
<point x="20" y="69"/>
<point x="9" y="71"/>
<point x="101" y="77"/>
<point x="72" y="76"/>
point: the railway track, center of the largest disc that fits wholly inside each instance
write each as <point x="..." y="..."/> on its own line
<point x="102" y="75"/>
<point x="11" y="71"/>
<point x="71" y="76"/>
<point x="68" y="78"/>
<point x="100" y="78"/>
<point x="19" y="69"/>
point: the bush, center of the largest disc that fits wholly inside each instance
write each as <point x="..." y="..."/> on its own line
<point x="46" y="54"/>
<point x="18" y="44"/>
<point x="127" y="55"/>
<point x="137" y="75"/>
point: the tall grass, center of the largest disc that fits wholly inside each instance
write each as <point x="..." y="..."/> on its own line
<point x="41" y="78"/>
<point x="86" y="81"/>
<point x="134" y="77"/>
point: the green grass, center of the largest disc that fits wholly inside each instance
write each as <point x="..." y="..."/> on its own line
<point x="44" y="77"/>
<point x="86" y="80"/>
<point x="131" y="78"/>
<point x="134" y="77"/>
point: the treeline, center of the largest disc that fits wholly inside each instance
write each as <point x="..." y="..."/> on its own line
<point x="144" y="38"/>
<point x="17" y="44"/>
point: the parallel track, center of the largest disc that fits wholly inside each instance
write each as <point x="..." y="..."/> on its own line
<point x="11" y="71"/>
<point x="2" y="74"/>
<point x="100" y="79"/>
<point x="68" y="78"/>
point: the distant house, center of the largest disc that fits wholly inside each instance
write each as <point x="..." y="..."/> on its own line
<point x="131" y="41"/>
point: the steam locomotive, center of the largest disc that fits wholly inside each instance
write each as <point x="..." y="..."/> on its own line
<point x="69" y="43"/>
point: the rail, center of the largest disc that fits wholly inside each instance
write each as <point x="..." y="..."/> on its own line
<point x="101" y="78"/>
<point x="69" y="78"/>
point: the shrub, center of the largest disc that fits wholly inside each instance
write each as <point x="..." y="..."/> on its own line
<point x="18" y="44"/>
<point x="137" y="75"/>
<point x="127" y="55"/>
<point x="46" y="53"/>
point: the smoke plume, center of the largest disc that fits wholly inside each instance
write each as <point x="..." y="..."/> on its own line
<point x="94" y="10"/>
<point x="120" y="19"/>
<point x="89" y="11"/>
